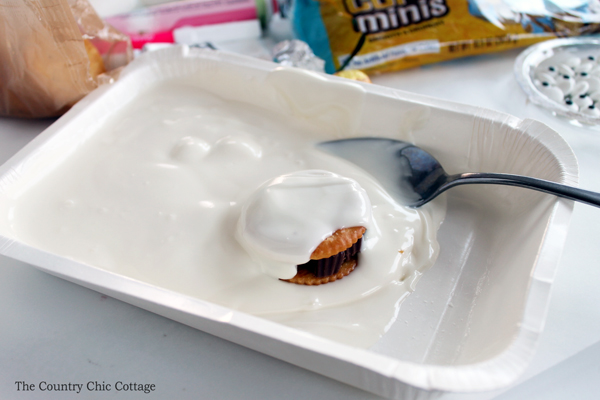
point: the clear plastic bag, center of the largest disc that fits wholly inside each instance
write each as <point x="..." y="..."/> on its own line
<point x="52" y="53"/>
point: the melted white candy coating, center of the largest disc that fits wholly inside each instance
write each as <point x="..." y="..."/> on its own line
<point x="284" y="221"/>
<point x="155" y="194"/>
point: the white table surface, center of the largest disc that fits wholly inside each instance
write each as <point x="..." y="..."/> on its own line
<point x="58" y="332"/>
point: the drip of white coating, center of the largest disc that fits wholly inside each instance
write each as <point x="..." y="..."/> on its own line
<point x="283" y="222"/>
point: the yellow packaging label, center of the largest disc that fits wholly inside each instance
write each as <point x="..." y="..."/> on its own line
<point x="385" y="35"/>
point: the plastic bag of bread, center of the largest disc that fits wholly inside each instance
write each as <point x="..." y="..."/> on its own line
<point x="52" y="53"/>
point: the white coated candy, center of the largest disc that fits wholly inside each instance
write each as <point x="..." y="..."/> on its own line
<point x="572" y="107"/>
<point x="286" y="218"/>
<point x="566" y="70"/>
<point x="572" y="61"/>
<point x="580" y="88"/>
<point x="553" y="93"/>
<point x="592" y="112"/>
<point x="594" y="83"/>
<point x="595" y="71"/>
<point x="571" y="81"/>
<point x="539" y="84"/>
<point x="545" y="77"/>
<point x="566" y="85"/>
<point x="552" y="70"/>
<point x="595" y="95"/>
<point x="583" y="102"/>
<point x="584" y="67"/>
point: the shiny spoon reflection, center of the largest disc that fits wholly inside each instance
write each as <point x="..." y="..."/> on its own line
<point x="414" y="177"/>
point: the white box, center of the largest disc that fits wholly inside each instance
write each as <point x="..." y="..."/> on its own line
<point x="475" y="318"/>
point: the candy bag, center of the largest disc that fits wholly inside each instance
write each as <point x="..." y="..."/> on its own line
<point x="386" y="35"/>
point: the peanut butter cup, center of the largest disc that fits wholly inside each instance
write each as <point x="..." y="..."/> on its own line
<point x="333" y="259"/>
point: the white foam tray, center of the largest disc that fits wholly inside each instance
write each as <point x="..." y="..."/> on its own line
<point x="474" y="320"/>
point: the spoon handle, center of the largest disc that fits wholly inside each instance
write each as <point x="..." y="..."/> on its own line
<point x="568" y="192"/>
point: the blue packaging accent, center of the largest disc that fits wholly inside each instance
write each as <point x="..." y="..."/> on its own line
<point x="539" y="25"/>
<point x="309" y="27"/>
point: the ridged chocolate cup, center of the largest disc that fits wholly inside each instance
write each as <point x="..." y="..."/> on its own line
<point x="331" y="265"/>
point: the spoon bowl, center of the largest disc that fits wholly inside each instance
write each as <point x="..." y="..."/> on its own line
<point x="413" y="177"/>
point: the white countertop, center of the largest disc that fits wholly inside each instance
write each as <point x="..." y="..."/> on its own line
<point x="58" y="332"/>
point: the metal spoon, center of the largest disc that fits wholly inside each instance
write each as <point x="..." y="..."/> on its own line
<point x="414" y="177"/>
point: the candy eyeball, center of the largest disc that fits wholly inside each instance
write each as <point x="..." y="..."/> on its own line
<point x="572" y="62"/>
<point x="583" y="102"/>
<point x="553" y="93"/>
<point x="571" y="81"/>
<point x="571" y="106"/>
<point x="592" y="111"/>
